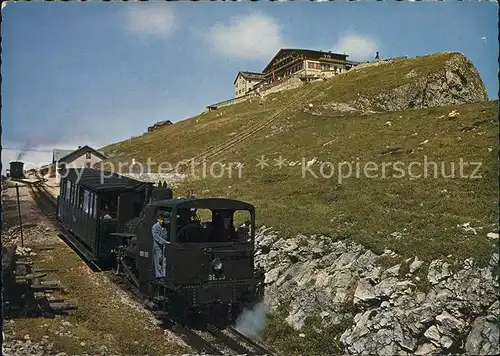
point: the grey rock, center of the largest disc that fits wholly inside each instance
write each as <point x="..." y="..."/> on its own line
<point x="438" y="271"/>
<point x="324" y="314"/>
<point x="296" y="318"/>
<point x="272" y="275"/>
<point x="448" y="324"/>
<point x="364" y="291"/>
<point x="483" y="338"/>
<point x="386" y="287"/>
<point x="426" y="349"/>
<point x="317" y="252"/>
<point x="290" y="245"/>
<point x="327" y="278"/>
<point x="367" y="260"/>
<point x="373" y="274"/>
<point x="415" y="265"/>
<point x="494" y="260"/>
<point x="391" y="272"/>
<point x="265" y="240"/>
<point x="437" y="339"/>
<point x="403" y="338"/>
<point x="273" y="254"/>
<point x="446" y="342"/>
<point x="494" y="310"/>
<point x="385" y="305"/>
<point x="433" y="335"/>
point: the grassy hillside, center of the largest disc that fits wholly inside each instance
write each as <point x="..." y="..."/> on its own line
<point x="412" y="216"/>
<point x="187" y="138"/>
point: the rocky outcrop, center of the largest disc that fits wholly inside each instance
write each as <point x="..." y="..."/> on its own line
<point x="457" y="83"/>
<point x="344" y="282"/>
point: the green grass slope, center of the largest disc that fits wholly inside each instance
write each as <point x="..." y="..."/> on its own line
<point x="381" y="208"/>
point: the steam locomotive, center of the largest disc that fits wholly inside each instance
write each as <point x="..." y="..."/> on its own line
<point x="109" y="217"/>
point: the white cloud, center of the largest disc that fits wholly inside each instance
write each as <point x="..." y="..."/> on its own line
<point x="358" y="47"/>
<point x="151" y="20"/>
<point x="255" y="36"/>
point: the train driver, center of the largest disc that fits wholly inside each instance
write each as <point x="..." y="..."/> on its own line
<point x="160" y="238"/>
<point x="244" y="232"/>
<point x="223" y="226"/>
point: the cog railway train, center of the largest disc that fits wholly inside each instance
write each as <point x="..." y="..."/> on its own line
<point x="109" y="219"/>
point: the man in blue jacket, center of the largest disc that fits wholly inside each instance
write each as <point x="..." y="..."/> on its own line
<point x="160" y="239"/>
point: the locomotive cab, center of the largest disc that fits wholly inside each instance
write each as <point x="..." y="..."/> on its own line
<point x="209" y="257"/>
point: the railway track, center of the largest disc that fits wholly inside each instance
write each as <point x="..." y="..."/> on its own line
<point x="29" y="283"/>
<point x="297" y="100"/>
<point x="205" y="338"/>
<point x="208" y="338"/>
<point x="223" y="342"/>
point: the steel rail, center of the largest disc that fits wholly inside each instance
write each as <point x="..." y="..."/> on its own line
<point x="255" y="345"/>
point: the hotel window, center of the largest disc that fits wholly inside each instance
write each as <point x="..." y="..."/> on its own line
<point x="88" y="155"/>
<point x="311" y="65"/>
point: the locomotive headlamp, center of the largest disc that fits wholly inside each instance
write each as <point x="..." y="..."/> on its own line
<point x="217" y="264"/>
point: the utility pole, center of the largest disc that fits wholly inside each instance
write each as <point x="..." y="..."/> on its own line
<point x="20" y="218"/>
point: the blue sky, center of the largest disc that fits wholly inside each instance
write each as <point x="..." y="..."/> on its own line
<point x="96" y="73"/>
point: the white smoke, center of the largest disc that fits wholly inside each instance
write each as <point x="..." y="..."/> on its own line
<point x="251" y="322"/>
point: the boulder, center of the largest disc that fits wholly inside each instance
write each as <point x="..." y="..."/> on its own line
<point x="483" y="338"/>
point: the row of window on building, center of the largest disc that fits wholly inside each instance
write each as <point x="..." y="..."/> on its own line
<point x="298" y="67"/>
<point x="284" y="61"/>
<point x="312" y="65"/>
<point x="322" y="66"/>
